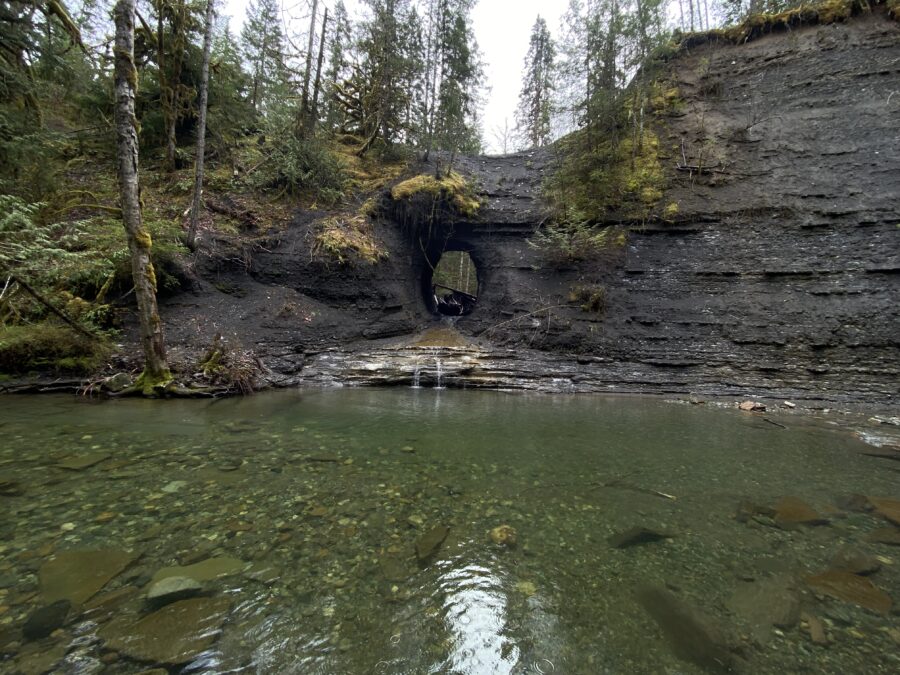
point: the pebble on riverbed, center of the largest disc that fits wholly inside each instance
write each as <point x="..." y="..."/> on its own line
<point x="504" y="535"/>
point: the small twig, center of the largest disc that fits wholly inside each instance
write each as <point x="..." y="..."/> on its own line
<point x="777" y="424"/>
<point x="696" y="168"/>
<point x="524" y="316"/>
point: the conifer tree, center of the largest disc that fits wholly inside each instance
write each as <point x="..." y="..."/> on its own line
<point x="265" y="50"/>
<point x="338" y="69"/>
<point x="536" y="98"/>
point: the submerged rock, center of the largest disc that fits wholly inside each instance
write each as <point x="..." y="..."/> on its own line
<point x="10" y="488"/>
<point x="44" y="620"/>
<point x="851" y="588"/>
<point x="855" y="562"/>
<point x="205" y="570"/>
<point x="429" y="543"/>
<point x="885" y="535"/>
<point x="791" y="512"/>
<point x="815" y="628"/>
<point x="637" y="536"/>
<point x="82" y="462"/>
<point x="175" y="634"/>
<point x="504" y="535"/>
<point x="887" y="508"/>
<point x="692" y="636"/>
<point x="393" y="569"/>
<point x="767" y="604"/>
<point x="171" y="589"/>
<point x="79" y="575"/>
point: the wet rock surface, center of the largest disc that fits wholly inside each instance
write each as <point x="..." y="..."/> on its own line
<point x="175" y="634"/>
<point x="78" y="575"/>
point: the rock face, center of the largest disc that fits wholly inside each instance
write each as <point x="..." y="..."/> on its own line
<point x="779" y="277"/>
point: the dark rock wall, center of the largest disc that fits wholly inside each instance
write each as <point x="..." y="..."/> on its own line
<point x="780" y="276"/>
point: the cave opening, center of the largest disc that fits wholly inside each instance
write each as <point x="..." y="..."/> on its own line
<point x="451" y="283"/>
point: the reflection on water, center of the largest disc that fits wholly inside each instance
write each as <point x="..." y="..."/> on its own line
<point x="322" y="504"/>
<point x="475" y="615"/>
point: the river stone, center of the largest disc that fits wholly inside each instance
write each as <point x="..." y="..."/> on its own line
<point x="10" y="488"/>
<point x="885" y="535"/>
<point x="851" y="588"/>
<point x="81" y="462"/>
<point x="887" y="508"/>
<point x="205" y="570"/>
<point x="504" y="535"/>
<point x="692" y="636"/>
<point x="175" y="634"/>
<point x="44" y="620"/>
<point x="429" y="543"/>
<point x="171" y="589"/>
<point x="79" y="575"/>
<point x="851" y="560"/>
<point x="41" y="660"/>
<point x="791" y="512"/>
<point x="118" y="382"/>
<point x="764" y="604"/>
<point x="393" y="569"/>
<point x="637" y="536"/>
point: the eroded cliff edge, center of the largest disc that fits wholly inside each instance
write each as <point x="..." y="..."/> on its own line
<point x="779" y="275"/>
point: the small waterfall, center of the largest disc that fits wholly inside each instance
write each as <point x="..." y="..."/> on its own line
<point x="417" y="375"/>
<point x="439" y="372"/>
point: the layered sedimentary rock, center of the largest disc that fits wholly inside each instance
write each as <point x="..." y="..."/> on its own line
<point x="779" y="275"/>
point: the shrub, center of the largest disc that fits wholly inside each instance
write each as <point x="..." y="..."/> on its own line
<point x="591" y="298"/>
<point x="228" y="365"/>
<point x="567" y="243"/>
<point x="303" y="166"/>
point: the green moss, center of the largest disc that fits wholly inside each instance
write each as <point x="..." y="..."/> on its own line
<point x="49" y="347"/>
<point x="151" y="385"/>
<point x="757" y="25"/>
<point x="453" y="187"/>
<point x="347" y="237"/>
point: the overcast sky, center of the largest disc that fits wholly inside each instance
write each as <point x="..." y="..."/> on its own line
<point x="502" y="28"/>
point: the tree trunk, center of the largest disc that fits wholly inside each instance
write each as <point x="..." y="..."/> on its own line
<point x="304" y="105"/>
<point x="156" y="370"/>
<point x="314" y="111"/>
<point x="201" y="127"/>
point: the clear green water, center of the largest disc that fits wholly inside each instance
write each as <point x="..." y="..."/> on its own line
<point x="326" y="493"/>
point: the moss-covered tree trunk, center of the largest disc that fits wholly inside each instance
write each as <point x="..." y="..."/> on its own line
<point x="156" y="370"/>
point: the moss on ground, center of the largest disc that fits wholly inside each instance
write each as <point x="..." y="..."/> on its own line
<point x="49" y="347"/>
<point x="758" y="25"/>
<point x="345" y="238"/>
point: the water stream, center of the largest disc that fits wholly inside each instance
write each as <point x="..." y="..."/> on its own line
<point x="322" y="502"/>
